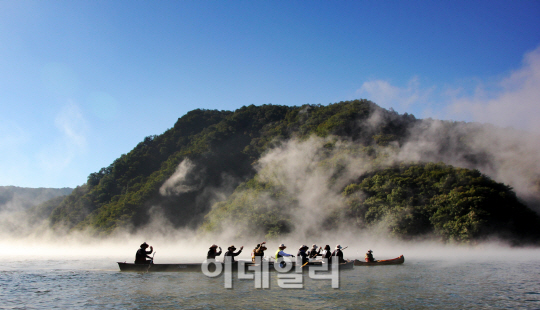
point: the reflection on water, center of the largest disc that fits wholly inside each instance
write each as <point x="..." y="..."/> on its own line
<point x="33" y="284"/>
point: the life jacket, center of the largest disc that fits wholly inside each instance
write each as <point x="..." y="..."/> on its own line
<point x="369" y="257"/>
<point x="277" y="254"/>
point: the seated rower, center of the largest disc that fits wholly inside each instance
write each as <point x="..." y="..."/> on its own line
<point x="327" y="254"/>
<point x="229" y="255"/>
<point x="258" y="251"/>
<point x="280" y="254"/>
<point x="302" y="256"/>
<point x="142" y="254"/>
<point x="313" y="253"/>
<point x="339" y="254"/>
<point x="369" y="256"/>
<point x="212" y="253"/>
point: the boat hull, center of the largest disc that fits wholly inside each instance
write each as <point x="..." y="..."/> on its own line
<point x="395" y="261"/>
<point x="196" y="267"/>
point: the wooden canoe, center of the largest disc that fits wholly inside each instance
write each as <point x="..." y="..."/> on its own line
<point x="394" y="261"/>
<point x="197" y="267"/>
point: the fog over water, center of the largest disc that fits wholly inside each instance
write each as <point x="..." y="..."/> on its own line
<point x="185" y="247"/>
<point x="82" y="273"/>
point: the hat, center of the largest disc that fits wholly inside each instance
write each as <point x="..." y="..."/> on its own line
<point x="232" y="247"/>
<point x="303" y="246"/>
<point x="339" y="247"/>
<point x="369" y="251"/>
<point x="282" y="246"/>
<point x="327" y="247"/>
<point x="314" y="246"/>
<point x="213" y="246"/>
<point x="144" y="245"/>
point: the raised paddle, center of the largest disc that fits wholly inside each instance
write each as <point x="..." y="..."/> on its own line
<point x="151" y="262"/>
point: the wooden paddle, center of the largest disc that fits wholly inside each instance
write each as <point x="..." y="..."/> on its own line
<point x="151" y="262"/>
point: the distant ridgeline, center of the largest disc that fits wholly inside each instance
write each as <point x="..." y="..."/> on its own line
<point x="215" y="168"/>
<point x="13" y="198"/>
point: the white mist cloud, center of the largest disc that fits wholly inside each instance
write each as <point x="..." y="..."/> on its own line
<point x="72" y="141"/>
<point x="313" y="175"/>
<point x="387" y="95"/>
<point x="509" y="101"/>
<point x="514" y="103"/>
<point x="182" y="180"/>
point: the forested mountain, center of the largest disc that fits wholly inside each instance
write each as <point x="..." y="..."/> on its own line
<point x="272" y="169"/>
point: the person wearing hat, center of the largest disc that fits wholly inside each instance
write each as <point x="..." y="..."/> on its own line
<point x="327" y="254"/>
<point x="142" y="254"/>
<point x="229" y="255"/>
<point x="313" y="253"/>
<point x="302" y="256"/>
<point x="369" y="256"/>
<point x="258" y="251"/>
<point x="280" y="252"/>
<point x="212" y="253"/>
<point x="339" y="254"/>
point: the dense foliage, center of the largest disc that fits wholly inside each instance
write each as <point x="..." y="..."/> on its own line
<point x="454" y="203"/>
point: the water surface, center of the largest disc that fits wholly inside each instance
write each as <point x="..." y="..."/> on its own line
<point x="417" y="284"/>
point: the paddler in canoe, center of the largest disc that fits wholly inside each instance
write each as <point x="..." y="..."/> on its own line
<point x="212" y="252"/>
<point x="143" y="254"/>
<point x="369" y="256"/>
<point x="313" y="253"/>
<point x="258" y="251"/>
<point x="280" y="254"/>
<point x="302" y="256"/>
<point x="327" y="254"/>
<point x="230" y="254"/>
<point x="338" y="254"/>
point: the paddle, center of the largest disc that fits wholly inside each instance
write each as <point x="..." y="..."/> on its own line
<point x="151" y="262"/>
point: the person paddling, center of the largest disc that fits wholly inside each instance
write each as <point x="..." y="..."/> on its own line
<point x="143" y="254"/>
<point x="313" y="253"/>
<point x="280" y="254"/>
<point x="230" y="254"/>
<point x="369" y="256"/>
<point x="339" y="254"/>
<point x="258" y="251"/>
<point x="327" y="254"/>
<point x="212" y="252"/>
<point x="302" y="256"/>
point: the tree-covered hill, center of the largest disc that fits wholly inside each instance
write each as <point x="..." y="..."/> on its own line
<point x="214" y="165"/>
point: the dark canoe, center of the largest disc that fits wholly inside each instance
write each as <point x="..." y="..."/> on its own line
<point x="158" y="267"/>
<point x="394" y="261"/>
<point x="197" y="267"/>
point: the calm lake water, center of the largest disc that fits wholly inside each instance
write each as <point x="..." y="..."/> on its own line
<point x="417" y="284"/>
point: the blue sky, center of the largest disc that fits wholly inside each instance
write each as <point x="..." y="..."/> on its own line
<point x="82" y="82"/>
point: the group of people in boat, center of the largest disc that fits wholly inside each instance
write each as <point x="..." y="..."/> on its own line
<point x="303" y="255"/>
